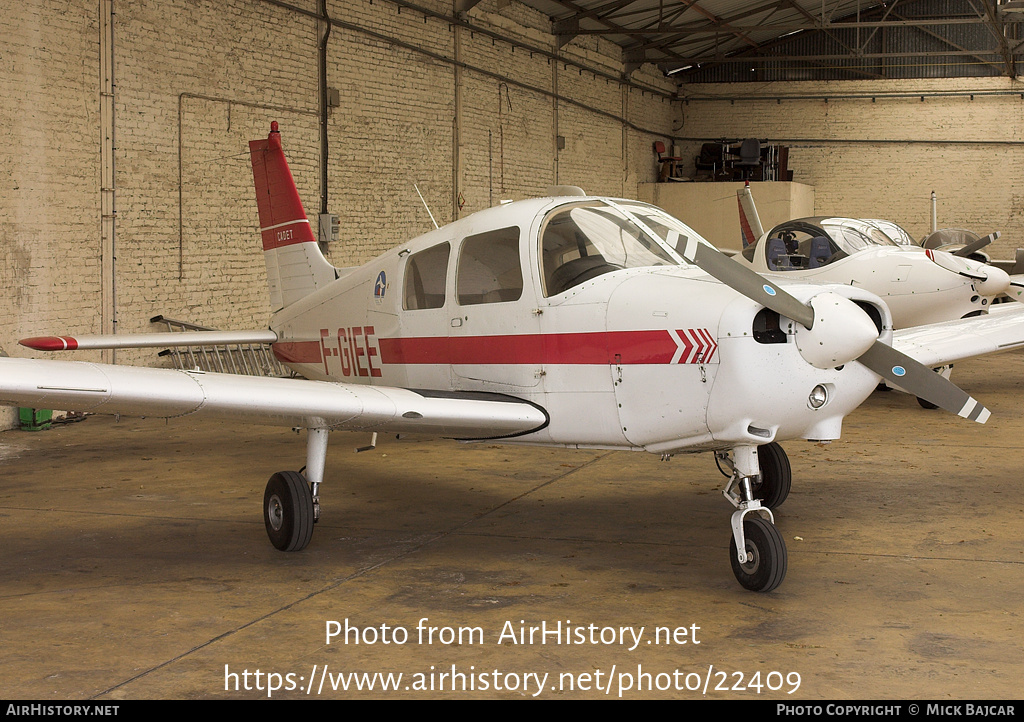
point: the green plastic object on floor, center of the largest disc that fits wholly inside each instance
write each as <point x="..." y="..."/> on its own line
<point x="35" y="419"/>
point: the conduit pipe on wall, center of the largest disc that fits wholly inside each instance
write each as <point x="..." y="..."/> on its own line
<point x="108" y="179"/>
<point x="323" y="106"/>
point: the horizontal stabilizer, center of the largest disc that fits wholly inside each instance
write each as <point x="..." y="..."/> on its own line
<point x="149" y="340"/>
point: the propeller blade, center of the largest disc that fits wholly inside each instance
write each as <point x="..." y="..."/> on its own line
<point x="916" y="378"/>
<point x="1016" y="290"/>
<point x="976" y="245"/>
<point x="745" y="281"/>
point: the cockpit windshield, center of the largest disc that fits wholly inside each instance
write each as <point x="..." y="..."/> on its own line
<point x="583" y="241"/>
<point x="853" y="236"/>
<point x="894" y="231"/>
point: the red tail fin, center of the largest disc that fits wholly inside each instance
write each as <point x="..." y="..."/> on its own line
<point x="283" y="220"/>
<point x="295" y="265"/>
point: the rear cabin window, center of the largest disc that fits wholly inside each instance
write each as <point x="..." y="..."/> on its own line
<point x="425" y="276"/>
<point x="489" y="268"/>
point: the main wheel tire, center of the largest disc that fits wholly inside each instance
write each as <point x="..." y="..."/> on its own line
<point x="776" y="475"/>
<point x="767" y="561"/>
<point x="288" y="511"/>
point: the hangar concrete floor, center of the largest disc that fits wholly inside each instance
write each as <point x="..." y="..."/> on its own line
<point x="136" y="565"/>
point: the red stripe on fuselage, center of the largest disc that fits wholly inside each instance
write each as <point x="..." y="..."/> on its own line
<point x="297" y="352"/>
<point x="602" y="348"/>
<point x="599" y="348"/>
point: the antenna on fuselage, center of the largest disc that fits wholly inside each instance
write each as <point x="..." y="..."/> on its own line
<point x="425" y="205"/>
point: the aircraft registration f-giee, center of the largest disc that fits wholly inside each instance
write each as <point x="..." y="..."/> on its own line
<point x="572" y="321"/>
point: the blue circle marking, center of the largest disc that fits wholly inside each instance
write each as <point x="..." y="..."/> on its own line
<point x="768" y="289"/>
<point x="899" y="371"/>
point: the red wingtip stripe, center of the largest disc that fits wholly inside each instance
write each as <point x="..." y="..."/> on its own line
<point x="50" y="343"/>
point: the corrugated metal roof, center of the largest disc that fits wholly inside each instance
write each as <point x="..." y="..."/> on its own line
<point x="782" y="39"/>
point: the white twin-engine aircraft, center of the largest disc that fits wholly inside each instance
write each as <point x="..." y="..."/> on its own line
<point x="569" y="321"/>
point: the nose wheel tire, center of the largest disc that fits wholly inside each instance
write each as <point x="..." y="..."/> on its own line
<point x="766" y="563"/>
<point x="776" y="475"/>
<point x="288" y="511"/>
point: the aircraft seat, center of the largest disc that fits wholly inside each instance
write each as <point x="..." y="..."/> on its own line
<point x="778" y="256"/>
<point x="821" y="251"/>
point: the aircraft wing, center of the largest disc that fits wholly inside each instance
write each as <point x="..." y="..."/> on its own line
<point x="938" y="344"/>
<point x="138" y="391"/>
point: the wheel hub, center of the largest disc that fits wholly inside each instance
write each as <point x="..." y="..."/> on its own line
<point x="753" y="559"/>
<point x="275" y="513"/>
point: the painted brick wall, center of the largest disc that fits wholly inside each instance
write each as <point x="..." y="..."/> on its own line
<point x="49" y="170"/>
<point x="49" y="166"/>
<point x="197" y="79"/>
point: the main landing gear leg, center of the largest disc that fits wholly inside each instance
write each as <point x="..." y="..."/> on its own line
<point x="291" y="502"/>
<point x="757" y="550"/>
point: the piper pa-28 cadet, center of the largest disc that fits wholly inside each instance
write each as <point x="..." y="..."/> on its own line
<point x="920" y="286"/>
<point x="573" y="321"/>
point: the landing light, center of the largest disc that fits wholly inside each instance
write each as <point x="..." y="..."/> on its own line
<point x="818" y="397"/>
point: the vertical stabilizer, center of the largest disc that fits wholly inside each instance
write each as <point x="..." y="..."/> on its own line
<point x="295" y="265"/>
<point x="750" y="223"/>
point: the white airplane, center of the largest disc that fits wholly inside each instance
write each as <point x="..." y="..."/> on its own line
<point x="571" y="321"/>
<point x="920" y="286"/>
<point x="958" y="241"/>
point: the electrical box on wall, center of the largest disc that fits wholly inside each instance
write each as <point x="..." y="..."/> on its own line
<point x="329" y="228"/>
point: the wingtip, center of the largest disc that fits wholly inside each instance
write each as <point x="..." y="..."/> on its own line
<point x="50" y="343"/>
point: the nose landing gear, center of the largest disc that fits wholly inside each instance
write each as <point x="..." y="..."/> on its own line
<point x="757" y="551"/>
<point x="766" y="558"/>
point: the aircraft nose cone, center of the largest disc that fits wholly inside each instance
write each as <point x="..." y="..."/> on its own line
<point x="841" y="332"/>
<point x="998" y="281"/>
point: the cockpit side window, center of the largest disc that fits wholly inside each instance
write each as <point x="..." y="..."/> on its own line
<point x="489" y="269"/>
<point x="425" y="277"/>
